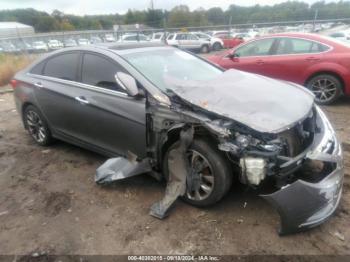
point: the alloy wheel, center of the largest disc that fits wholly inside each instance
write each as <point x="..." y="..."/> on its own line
<point x="35" y="126"/>
<point x="202" y="167"/>
<point x="324" y="89"/>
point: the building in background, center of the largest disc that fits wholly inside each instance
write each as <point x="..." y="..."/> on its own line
<point x="14" y="29"/>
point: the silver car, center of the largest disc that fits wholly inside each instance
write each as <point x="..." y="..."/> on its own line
<point x="185" y="116"/>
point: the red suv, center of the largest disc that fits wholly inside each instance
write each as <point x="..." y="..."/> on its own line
<point x="320" y="63"/>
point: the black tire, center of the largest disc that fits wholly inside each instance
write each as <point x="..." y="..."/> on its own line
<point x="37" y="126"/>
<point x="205" y="49"/>
<point x="221" y="172"/>
<point x="217" y="46"/>
<point x="326" y="88"/>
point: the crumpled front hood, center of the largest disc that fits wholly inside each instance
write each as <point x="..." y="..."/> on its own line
<point x="262" y="103"/>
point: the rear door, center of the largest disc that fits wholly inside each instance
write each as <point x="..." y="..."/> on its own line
<point x="193" y="41"/>
<point x="55" y="91"/>
<point x="292" y="58"/>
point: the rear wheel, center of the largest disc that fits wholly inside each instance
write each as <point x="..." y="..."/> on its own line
<point x="326" y="88"/>
<point x="217" y="46"/>
<point x="37" y="126"/>
<point x="213" y="169"/>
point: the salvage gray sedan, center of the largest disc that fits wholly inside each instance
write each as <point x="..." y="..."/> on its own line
<point x="143" y="101"/>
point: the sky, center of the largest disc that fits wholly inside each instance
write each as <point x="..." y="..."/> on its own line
<point x="90" y="7"/>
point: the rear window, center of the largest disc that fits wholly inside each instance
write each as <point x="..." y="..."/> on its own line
<point x="62" y="66"/>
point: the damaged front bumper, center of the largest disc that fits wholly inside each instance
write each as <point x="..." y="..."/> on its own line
<point x="303" y="204"/>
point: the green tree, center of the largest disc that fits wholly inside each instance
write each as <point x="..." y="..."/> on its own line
<point x="180" y="16"/>
<point x="216" y="16"/>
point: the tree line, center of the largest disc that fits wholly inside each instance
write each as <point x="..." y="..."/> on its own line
<point x="179" y="16"/>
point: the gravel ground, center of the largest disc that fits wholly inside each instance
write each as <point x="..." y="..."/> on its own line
<point x="50" y="203"/>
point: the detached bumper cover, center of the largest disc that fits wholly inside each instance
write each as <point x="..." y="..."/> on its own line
<point x="302" y="205"/>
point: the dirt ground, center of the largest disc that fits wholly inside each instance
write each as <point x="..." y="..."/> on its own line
<point x="50" y="203"/>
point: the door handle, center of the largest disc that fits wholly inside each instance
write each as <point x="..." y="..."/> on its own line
<point x="39" y="84"/>
<point x="81" y="99"/>
<point x="311" y="59"/>
<point x="260" y="62"/>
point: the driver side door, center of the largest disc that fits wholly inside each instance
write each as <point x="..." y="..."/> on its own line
<point x="253" y="57"/>
<point x="110" y="119"/>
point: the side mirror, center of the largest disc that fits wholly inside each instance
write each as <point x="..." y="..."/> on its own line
<point x="232" y="55"/>
<point x="128" y="83"/>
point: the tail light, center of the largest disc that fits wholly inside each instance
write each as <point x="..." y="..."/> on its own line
<point x="14" y="83"/>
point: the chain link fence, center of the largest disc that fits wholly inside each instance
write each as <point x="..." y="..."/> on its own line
<point x="45" y="42"/>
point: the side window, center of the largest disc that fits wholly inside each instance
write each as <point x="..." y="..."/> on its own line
<point x="62" y="66"/>
<point x="170" y="37"/>
<point x="179" y="37"/>
<point x="256" y="48"/>
<point x="131" y="38"/>
<point x="99" y="71"/>
<point x="299" y="46"/>
<point x="191" y="37"/>
<point x="38" y="69"/>
<point x="143" y="38"/>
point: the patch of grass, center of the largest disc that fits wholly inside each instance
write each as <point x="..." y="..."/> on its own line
<point x="10" y="64"/>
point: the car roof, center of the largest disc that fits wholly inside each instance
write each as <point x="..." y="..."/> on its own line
<point x="114" y="47"/>
<point x="309" y="36"/>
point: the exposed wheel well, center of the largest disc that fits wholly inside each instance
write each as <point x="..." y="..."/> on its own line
<point x="174" y="135"/>
<point x="327" y="73"/>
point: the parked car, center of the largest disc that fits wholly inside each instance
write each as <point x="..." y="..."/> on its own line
<point x="248" y="35"/>
<point x="54" y="44"/>
<point x="158" y="37"/>
<point x="317" y="62"/>
<point x="24" y="46"/>
<point x="70" y="43"/>
<point x="10" y="48"/>
<point x="95" y="40"/>
<point x="207" y="121"/>
<point x="134" y="38"/>
<point x="83" y="41"/>
<point x="189" y="41"/>
<point x="230" y="40"/>
<point x="343" y="36"/>
<point x="215" y="33"/>
<point x="109" y="38"/>
<point x="215" y="42"/>
<point x="39" y="46"/>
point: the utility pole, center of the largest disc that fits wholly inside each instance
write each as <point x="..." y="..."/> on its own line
<point x="164" y="28"/>
<point x="315" y="18"/>
<point x="229" y="26"/>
